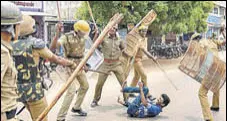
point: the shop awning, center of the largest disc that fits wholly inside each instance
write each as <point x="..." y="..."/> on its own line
<point x="31" y="13"/>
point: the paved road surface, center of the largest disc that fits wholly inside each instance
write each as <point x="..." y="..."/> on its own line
<point x="184" y="106"/>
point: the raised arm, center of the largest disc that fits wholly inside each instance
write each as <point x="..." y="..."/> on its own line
<point x="54" y="43"/>
<point x="142" y="96"/>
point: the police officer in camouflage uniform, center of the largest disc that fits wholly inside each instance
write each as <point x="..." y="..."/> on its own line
<point x="11" y="17"/>
<point x="27" y="51"/>
<point x="111" y="48"/>
<point x="74" y="48"/>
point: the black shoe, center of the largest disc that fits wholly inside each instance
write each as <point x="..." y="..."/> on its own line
<point x="126" y="104"/>
<point x="61" y="120"/>
<point x="214" y="109"/>
<point x="80" y="112"/>
<point x="132" y="95"/>
<point x="94" y="104"/>
<point x="207" y="120"/>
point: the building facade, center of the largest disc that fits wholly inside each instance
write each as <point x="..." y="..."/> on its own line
<point x="216" y="18"/>
<point x="36" y="10"/>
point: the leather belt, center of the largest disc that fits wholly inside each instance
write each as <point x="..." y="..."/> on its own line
<point x="75" y="57"/>
<point x="138" y="56"/>
<point x="111" y="60"/>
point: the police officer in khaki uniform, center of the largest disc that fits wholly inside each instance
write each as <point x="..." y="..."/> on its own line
<point x="27" y="51"/>
<point x="74" y="48"/>
<point x="111" y="48"/>
<point x="11" y="17"/>
<point x="213" y="46"/>
<point x="138" y="67"/>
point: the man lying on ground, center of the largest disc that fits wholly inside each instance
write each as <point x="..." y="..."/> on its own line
<point x="141" y="106"/>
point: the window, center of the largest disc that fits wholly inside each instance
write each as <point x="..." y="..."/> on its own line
<point x="222" y="11"/>
<point x="215" y="11"/>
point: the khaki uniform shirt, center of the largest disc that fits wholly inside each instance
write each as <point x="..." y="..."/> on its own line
<point x="8" y="79"/>
<point x="111" y="48"/>
<point x="73" y="45"/>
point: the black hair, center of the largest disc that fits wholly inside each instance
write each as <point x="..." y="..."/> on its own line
<point x="166" y="99"/>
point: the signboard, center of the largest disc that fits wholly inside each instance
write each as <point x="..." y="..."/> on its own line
<point x="29" y="4"/>
<point x="214" y="19"/>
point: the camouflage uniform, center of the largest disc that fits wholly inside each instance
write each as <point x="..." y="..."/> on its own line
<point x="111" y="49"/>
<point x="8" y="80"/>
<point x="74" y="48"/>
<point x="27" y="52"/>
<point x="213" y="46"/>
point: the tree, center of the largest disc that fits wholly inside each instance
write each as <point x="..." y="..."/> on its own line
<point x="104" y="10"/>
<point x="82" y="12"/>
<point x="180" y="16"/>
<point x="172" y="16"/>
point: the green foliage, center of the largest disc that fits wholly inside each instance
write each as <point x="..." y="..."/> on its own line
<point x="82" y="12"/>
<point x="180" y="16"/>
<point x="104" y="10"/>
<point x="172" y="16"/>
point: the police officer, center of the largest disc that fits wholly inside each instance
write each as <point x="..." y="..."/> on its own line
<point x="27" y="51"/>
<point x="11" y="17"/>
<point x="74" y="48"/>
<point x="212" y="45"/>
<point x="111" y="48"/>
<point x="138" y="67"/>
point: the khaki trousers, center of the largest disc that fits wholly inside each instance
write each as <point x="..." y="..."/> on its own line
<point x="71" y="91"/>
<point x="139" y="73"/>
<point x="36" y="108"/>
<point x="114" y="67"/>
<point x="205" y="104"/>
